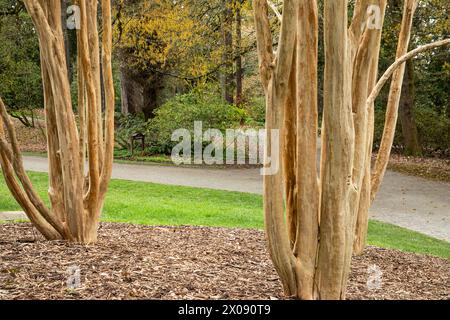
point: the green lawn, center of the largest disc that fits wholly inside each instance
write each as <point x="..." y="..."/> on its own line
<point x="152" y="204"/>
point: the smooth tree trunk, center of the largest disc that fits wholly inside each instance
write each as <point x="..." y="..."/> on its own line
<point x="76" y="192"/>
<point x="315" y="221"/>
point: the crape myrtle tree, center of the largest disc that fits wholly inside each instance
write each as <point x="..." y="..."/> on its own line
<point x="76" y="189"/>
<point x="316" y="219"/>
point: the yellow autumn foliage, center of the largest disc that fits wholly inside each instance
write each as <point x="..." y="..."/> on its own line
<point x="162" y="34"/>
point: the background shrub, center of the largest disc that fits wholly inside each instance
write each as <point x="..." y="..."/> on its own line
<point x="126" y="126"/>
<point x="202" y="104"/>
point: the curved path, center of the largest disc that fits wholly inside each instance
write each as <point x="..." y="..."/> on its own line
<point x="409" y="202"/>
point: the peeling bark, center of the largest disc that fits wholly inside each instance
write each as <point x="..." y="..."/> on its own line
<point x="75" y="203"/>
<point x="315" y="221"/>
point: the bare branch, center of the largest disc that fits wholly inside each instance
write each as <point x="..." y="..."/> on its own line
<point x="383" y="158"/>
<point x="390" y="71"/>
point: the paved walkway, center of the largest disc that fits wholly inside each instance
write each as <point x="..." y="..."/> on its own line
<point x="410" y="202"/>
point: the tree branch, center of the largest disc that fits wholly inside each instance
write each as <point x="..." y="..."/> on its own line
<point x="390" y="71"/>
<point x="109" y="96"/>
<point x="275" y="10"/>
<point x="15" y="157"/>
<point x="389" y="131"/>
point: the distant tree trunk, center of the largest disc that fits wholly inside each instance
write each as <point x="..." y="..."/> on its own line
<point x="406" y="113"/>
<point x="140" y="92"/>
<point x="150" y="97"/>
<point x="67" y="42"/>
<point x="239" y="70"/>
<point x="132" y="92"/>
<point x="125" y="104"/>
<point x="227" y="55"/>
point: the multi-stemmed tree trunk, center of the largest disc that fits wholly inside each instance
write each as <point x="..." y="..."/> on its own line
<point x="76" y="192"/>
<point x="316" y="219"/>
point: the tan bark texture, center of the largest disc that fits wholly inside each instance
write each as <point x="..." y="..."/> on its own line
<point x="317" y="218"/>
<point x="76" y="201"/>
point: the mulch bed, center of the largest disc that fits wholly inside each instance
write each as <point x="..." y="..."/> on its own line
<point x="140" y="262"/>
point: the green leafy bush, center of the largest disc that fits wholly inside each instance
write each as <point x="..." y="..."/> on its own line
<point x="255" y="109"/>
<point x="203" y="104"/>
<point x="434" y="130"/>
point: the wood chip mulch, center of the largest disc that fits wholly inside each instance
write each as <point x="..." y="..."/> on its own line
<point x="140" y="262"/>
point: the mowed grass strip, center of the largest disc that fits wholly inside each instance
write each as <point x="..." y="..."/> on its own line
<point x="154" y="204"/>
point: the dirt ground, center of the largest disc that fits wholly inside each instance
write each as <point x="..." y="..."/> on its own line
<point x="137" y="262"/>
